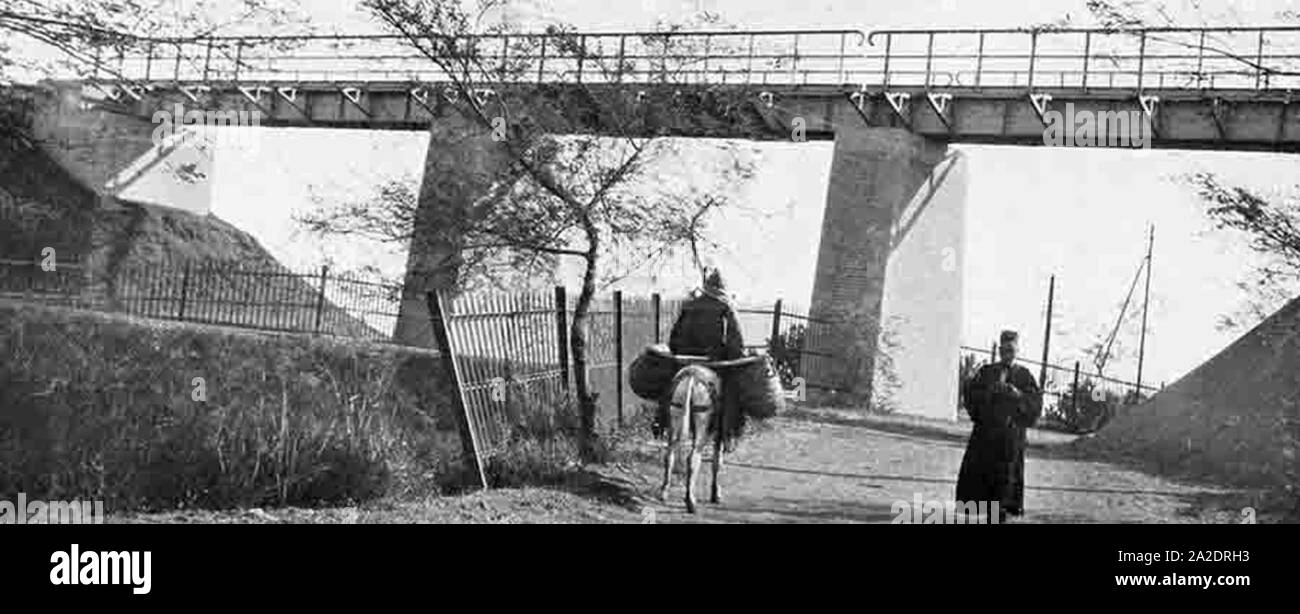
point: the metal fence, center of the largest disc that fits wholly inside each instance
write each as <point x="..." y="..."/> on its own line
<point x="1251" y="58"/>
<point x="1073" y="399"/>
<point x="791" y="333"/>
<point x="61" y="282"/>
<point x="512" y="352"/>
<point x="261" y="297"/>
<point x="754" y="57"/>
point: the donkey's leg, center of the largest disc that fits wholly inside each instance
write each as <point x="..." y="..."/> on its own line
<point x="715" y="495"/>
<point x="670" y="452"/>
<point x="688" y="419"/>
<point x="725" y="423"/>
<point x="699" y="438"/>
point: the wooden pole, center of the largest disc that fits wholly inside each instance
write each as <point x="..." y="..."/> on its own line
<point x="618" y="349"/>
<point x="451" y="373"/>
<point x="1047" y="334"/>
<point x="562" y="334"/>
<point x="655" y="300"/>
<point x="185" y="288"/>
<point x="776" y="323"/>
<point x="320" y="298"/>
<point x="1142" y="345"/>
<point x="1074" y="397"/>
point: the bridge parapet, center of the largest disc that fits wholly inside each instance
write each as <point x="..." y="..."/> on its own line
<point x="1237" y="58"/>
<point x="785" y="57"/>
<point x="1246" y="58"/>
<point x="1221" y="88"/>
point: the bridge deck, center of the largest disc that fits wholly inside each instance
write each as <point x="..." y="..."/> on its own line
<point x="1212" y="87"/>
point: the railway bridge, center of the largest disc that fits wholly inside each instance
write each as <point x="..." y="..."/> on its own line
<point x="891" y="254"/>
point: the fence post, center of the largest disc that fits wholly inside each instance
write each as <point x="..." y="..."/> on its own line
<point x="618" y="348"/>
<point x="320" y="298"/>
<point x="185" y="286"/>
<point x="1074" y="396"/>
<point x="776" y="322"/>
<point x="562" y="334"/>
<point x="207" y="61"/>
<point x="654" y="300"/>
<point x="29" y="279"/>
<point x="468" y="439"/>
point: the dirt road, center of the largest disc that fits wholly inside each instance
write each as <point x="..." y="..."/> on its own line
<point x="810" y="466"/>
<point x="825" y="466"/>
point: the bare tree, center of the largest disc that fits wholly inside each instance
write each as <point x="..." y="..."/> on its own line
<point x="576" y="177"/>
<point x="1137" y="16"/>
<point x="1268" y="224"/>
<point x="658" y="220"/>
<point x="1273" y="230"/>
<point x="87" y="35"/>
<point x="81" y="39"/>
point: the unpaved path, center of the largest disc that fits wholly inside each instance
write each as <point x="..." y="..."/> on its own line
<point x="826" y="466"/>
<point x="810" y="466"/>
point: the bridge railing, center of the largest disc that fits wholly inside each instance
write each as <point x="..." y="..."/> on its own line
<point x="1259" y="58"/>
<point x="1154" y="58"/>
<point x="789" y="57"/>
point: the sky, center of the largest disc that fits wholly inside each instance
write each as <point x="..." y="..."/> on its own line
<point x="1081" y="215"/>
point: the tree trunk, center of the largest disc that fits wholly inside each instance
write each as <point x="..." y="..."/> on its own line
<point x="578" y="347"/>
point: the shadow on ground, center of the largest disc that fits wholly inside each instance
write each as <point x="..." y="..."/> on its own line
<point x="1048" y="445"/>
<point x="605" y="487"/>
<point x="770" y="510"/>
<point x="1227" y="503"/>
<point x="883" y="424"/>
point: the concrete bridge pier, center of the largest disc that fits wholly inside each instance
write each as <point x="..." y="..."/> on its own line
<point x="889" y="274"/>
<point x="459" y="168"/>
<point x="118" y="157"/>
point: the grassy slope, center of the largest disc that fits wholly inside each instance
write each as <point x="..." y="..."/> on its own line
<point x="1233" y="418"/>
<point x="149" y="415"/>
<point x="499" y="506"/>
<point x="41" y="205"/>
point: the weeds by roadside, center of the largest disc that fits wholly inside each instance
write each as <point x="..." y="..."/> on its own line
<point x="542" y="448"/>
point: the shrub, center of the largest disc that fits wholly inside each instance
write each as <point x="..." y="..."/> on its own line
<point x="148" y="416"/>
<point x="787" y="350"/>
<point x="1093" y="410"/>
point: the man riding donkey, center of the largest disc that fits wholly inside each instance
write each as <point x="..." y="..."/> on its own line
<point x="704" y="398"/>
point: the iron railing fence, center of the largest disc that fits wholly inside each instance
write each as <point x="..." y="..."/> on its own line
<point x="1140" y="59"/>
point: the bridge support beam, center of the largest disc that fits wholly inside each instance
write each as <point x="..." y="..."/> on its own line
<point x="123" y="156"/>
<point x="889" y="274"/>
<point x="459" y="168"/>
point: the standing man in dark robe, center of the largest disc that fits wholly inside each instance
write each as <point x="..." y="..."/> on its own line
<point x="707" y="326"/>
<point x="1003" y="400"/>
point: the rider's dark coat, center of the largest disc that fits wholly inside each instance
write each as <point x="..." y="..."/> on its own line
<point x="707" y="326"/>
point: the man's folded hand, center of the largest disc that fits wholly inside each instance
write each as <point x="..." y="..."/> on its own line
<point x="1005" y="388"/>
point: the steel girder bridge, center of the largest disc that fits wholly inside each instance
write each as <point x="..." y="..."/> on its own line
<point x="1200" y="88"/>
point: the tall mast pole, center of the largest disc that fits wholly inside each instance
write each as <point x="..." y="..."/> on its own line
<point x="1047" y="334"/>
<point x="1142" y="345"/>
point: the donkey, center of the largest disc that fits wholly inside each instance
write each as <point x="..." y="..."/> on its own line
<point x="695" y="411"/>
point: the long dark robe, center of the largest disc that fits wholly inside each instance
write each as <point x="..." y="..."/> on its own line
<point x="993" y="468"/>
